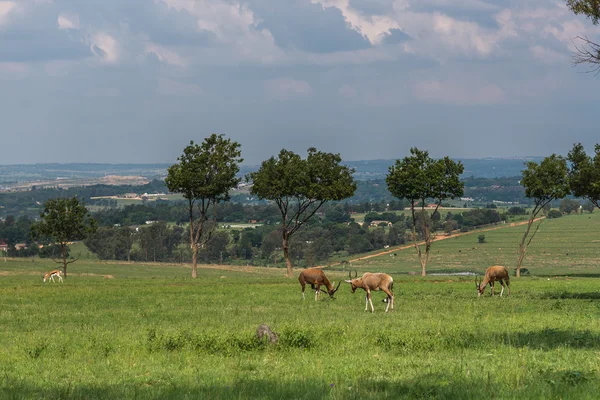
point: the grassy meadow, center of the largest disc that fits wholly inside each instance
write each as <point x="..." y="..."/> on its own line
<point x="115" y="330"/>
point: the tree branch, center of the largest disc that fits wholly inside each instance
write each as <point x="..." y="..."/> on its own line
<point x="587" y="53"/>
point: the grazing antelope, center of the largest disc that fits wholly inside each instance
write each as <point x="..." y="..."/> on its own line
<point x="316" y="278"/>
<point x="493" y="274"/>
<point x="56" y="273"/>
<point x="376" y="281"/>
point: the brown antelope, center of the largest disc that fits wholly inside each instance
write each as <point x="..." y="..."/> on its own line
<point x="493" y="274"/>
<point x="316" y="278"/>
<point x="376" y="281"/>
<point x="56" y="273"/>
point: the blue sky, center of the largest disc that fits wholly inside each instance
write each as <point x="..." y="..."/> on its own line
<point x="135" y="80"/>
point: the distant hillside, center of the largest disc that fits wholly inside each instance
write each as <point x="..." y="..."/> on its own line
<point x="476" y="167"/>
<point x="365" y="169"/>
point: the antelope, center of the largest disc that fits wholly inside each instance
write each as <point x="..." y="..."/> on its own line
<point x="52" y="274"/>
<point x="493" y="274"/>
<point x="374" y="281"/>
<point x="316" y="278"/>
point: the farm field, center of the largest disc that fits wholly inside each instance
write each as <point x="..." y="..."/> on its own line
<point x="149" y="331"/>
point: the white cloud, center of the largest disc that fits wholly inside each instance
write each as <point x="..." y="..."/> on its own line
<point x="105" y="47"/>
<point x="285" y="87"/>
<point x="5" y="8"/>
<point x="166" y="55"/>
<point x="234" y="26"/>
<point x="373" y="27"/>
<point x="66" y="21"/>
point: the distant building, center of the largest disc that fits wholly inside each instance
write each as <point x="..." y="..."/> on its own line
<point x="378" y="222"/>
<point x="3" y="246"/>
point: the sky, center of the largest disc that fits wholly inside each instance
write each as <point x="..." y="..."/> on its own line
<point x="134" y="81"/>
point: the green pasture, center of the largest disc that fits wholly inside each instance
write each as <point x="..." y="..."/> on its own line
<point x="567" y="245"/>
<point x="119" y="330"/>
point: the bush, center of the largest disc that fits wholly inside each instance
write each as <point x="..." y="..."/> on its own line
<point x="554" y="214"/>
<point x="481" y="238"/>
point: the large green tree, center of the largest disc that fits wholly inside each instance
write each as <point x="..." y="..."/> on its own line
<point x="64" y="220"/>
<point x="587" y="51"/>
<point x="421" y="179"/>
<point x="299" y="187"/>
<point x="204" y="175"/>
<point x="584" y="174"/>
<point x="544" y="183"/>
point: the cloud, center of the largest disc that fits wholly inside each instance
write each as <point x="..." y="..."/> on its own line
<point x="146" y="67"/>
<point x="105" y="47"/>
<point x="66" y="21"/>
<point x="5" y="8"/>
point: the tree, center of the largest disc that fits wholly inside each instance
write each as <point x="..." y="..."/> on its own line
<point x="204" y="175"/>
<point x="584" y="174"/>
<point x="299" y="187"/>
<point x="567" y="206"/>
<point x="419" y="178"/>
<point x="544" y="183"/>
<point x="587" y="52"/>
<point x="64" y="220"/>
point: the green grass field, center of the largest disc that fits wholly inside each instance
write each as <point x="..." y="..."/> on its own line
<point x="149" y="331"/>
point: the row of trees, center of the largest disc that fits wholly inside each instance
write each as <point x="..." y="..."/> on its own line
<point x="299" y="188"/>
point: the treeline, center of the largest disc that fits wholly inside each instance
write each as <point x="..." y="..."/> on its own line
<point x="368" y="192"/>
<point x="30" y="203"/>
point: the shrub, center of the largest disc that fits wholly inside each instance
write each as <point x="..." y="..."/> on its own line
<point x="481" y="238"/>
<point x="554" y="214"/>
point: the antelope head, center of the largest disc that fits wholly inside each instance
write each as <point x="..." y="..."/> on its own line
<point x="354" y="283"/>
<point x="332" y="291"/>
<point x="478" y="286"/>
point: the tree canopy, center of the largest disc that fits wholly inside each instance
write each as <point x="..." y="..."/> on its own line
<point x="584" y="174"/>
<point x="204" y="175"/>
<point x="64" y="220"/>
<point x="419" y="178"/>
<point x="544" y="183"/>
<point x="588" y="51"/>
<point x="299" y="187"/>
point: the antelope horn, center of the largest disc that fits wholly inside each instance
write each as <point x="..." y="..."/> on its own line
<point x="338" y="286"/>
<point x="355" y="273"/>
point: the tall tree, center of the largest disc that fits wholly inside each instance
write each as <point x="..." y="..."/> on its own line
<point x="204" y="175"/>
<point x="544" y="183"/>
<point x="299" y="187"/>
<point x="588" y="51"/>
<point x="584" y="174"/>
<point x="419" y="179"/>
<point x="64" y="220"/>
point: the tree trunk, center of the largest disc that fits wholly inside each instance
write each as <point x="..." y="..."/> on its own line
<point x="286" y="255"/>
<point x="63" y="253"/>
<point x="523" y="246"/>
<point x="194" y="261"/>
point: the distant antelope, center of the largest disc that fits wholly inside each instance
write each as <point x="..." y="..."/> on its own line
<point x="376" y="281"/>
<point x="316" y="278"/>
<point x="56" y="273"/>
<point x="493" y="274"/>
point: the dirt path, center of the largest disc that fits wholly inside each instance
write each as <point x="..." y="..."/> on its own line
<point x="388" y="251"/>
